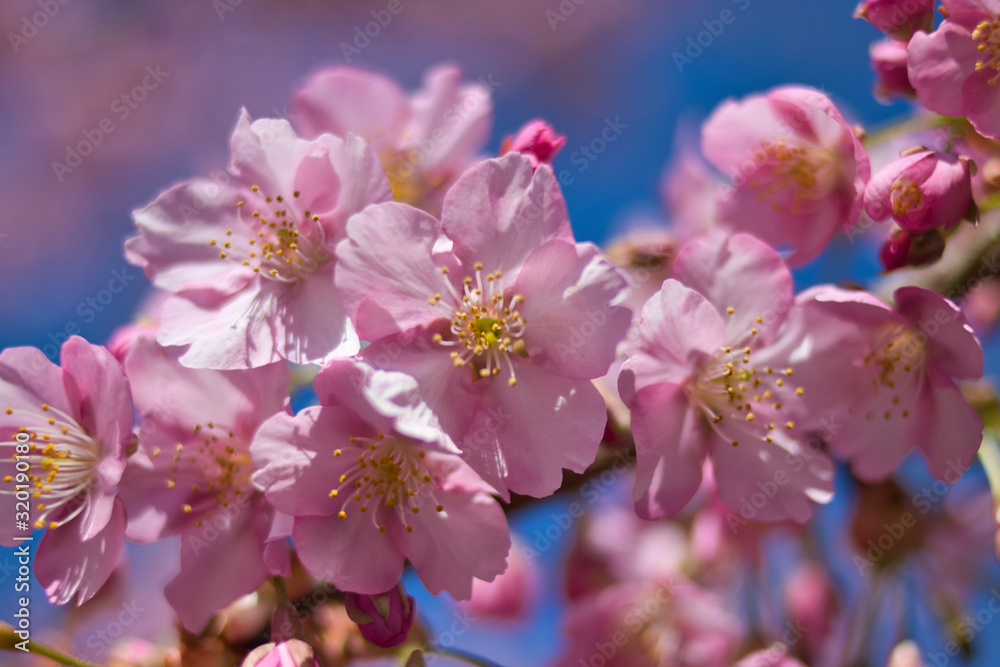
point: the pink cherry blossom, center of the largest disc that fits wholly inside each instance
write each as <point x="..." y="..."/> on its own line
<point x="922" y="190"/>
<point x="370" y="481"/>
<point x="956" y="68"/>
<point x="511" y="595"/>
<point x="708" y="375"/>
<point x="425" y="141"/>
<point x="72" y="426"/>
<point x="249" y="260"/>
<point x="797" y="169"/>
<point x="903" y="396"/>
<point x="775" y="655"/>
<point x="191" y="476"/>
<point x="651" y="623"/>
<point x="897" y="18"/>
<point x="538" y="141"/>
<point x="888" y="60"/>
<point x="498" y="313"/>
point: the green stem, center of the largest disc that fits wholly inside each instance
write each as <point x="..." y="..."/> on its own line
<point x="8" y="640"/>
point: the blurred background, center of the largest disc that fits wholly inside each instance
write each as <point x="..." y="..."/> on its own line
<point x="155" y="88"/>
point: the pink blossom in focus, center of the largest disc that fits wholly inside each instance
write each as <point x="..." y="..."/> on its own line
<point x="708" y="376"/>
<point x="897" y="18"/>
<point x="289" y="653"/>
<point x="384" y="619"/>
<point x="537" y="140"/>
<point x="888" y="60"/>
<point x="797" y="169"/>
<point x="923" y="190"/>
<point x="249" y="260"/>
<point x="904" y="396"/>
<point x="425" y="141"/>
<point x="500" y="315"/>
<point x="649" y="624"/>
<point x="956" y="68"/>
<point x="370" y="481"/>
<point x="191" y="476"/>
<point x="78" y="421"/>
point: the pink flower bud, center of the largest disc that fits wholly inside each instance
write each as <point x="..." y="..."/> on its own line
<point x="291" y="653"/>
<point x="905" y="249"/>
<point x="888" y="59"/>
<point x="383" y="619"/>
<point x="537" y="140"/>
<point x="897" y="18"/>
<point x="923" y="190"/>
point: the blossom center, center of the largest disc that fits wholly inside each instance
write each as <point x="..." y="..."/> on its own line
<point x="987" y="33"/>
<point x="388" y="480"/>
<point x="62" y="463"/>
<point x="791" y="175"/>
<point x="485" y="327"/>
<point x="216" y="464"/>
<point x="896" y="363"/>
<point x="905" y="196"/>
<point x="740" y="398"/>
<point x="284" y="241"/>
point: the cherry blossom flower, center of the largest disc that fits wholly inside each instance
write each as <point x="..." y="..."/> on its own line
<point x="384" y="619"/>
<point x="67" y="432"/>
<point x="370" y="481"/>
<point x="708" y="375"/>
<point x="797" y="169"/>
<point x="191" y="476"/>
<point x="249" y="260"/>
<point x="904" y="396"/>
<point x="538" y="141"/>
<point x="498" y="313"/>
<point x="289" y="653"/>
<point x="425" y="141"/>
<point x="923" y="190"/>
<point x="956" y="68"/>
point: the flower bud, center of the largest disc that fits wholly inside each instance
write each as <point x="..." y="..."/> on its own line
<point x="897" y="18"/>
<point x="888" y="60"/>
<point x="923" y="190"/>
<point x="383" y="619"/>
<point x="537" y="140"/>
<point x="290" y="653"/>
<point x="905" y="249"/>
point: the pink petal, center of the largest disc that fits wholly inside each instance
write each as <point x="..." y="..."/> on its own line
<point x="67" y="566"/>
<point x="741" y="273"/>
<point x="222" y="332"/>
<point x="340" y="100"/>
<point x="948" y="431"/>
<point x="543" y="424"/>
<point x="952" y="344"/>
<point x="387" y="270"/>
<point x="676" y="332"/>
<point x="670" y="447"/>
<point x="938" y="64"/>
<point x="468" y="539"/>
<point x="349" y="553"/>
<point x="499" y="211"/>
<point x="105" y="401"/>
<point x="211" y="577"/>
<point x="296" y="467"/>
<point x="572" y="327"/>
<point x="173" y="247"/>
<point x="456" y="136"/>
<point x="312" y="323"/>
<point x="769" y="481"/>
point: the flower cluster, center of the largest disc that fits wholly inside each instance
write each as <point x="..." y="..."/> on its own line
<point x="468" y="355"/>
